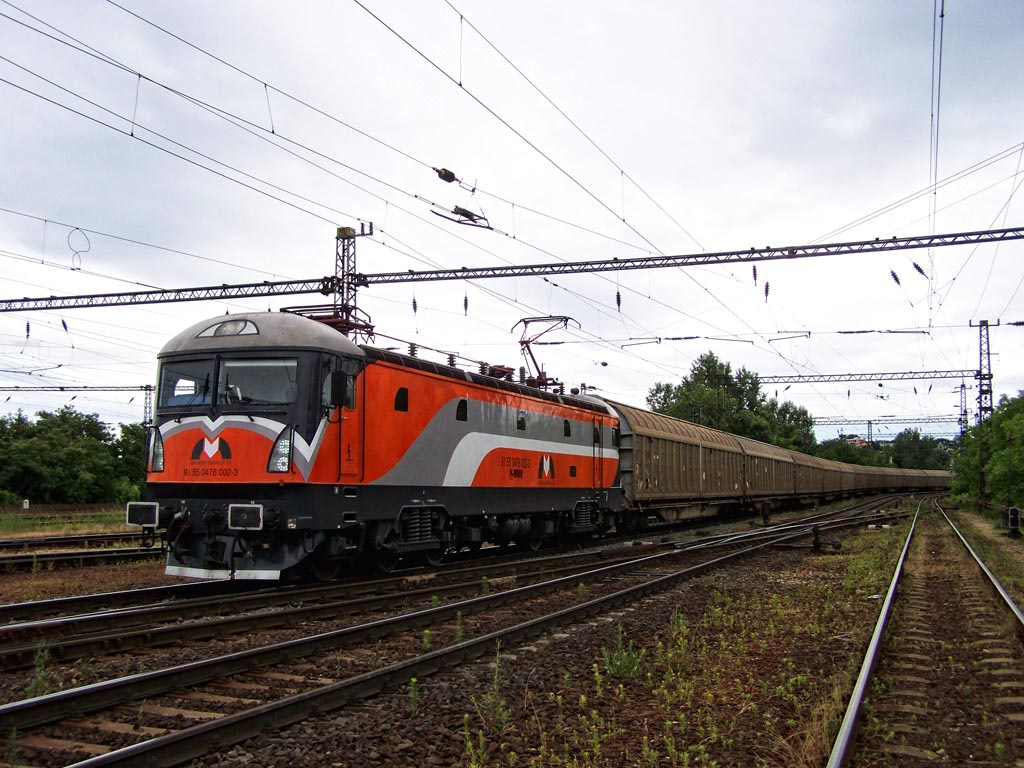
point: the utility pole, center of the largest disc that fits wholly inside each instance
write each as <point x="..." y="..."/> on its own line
<point x="984" y="403"/>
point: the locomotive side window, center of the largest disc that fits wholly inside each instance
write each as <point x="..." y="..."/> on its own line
<point x="521" y="421"/>
<point x="347" y="399"/>
<point x="185" y="382"/>
<point x="258" y="382"/>
<point x="462" y="410"/>
<point x="402" y="399"/>
<point x="566" y="428"/>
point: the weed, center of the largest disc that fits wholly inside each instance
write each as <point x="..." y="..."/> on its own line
<point x="414" y="696"/>
<point x="624" y="661"/>
<point x="426" y="639"/>
<point x="491" y="707"/>
<point x="12" y="748"/>
<point x="42" y="680"/>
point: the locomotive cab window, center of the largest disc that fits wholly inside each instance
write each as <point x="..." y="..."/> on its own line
<point x="185" y="382"/>
<point x="402" y="399"/>
<point x="339" y="389"/>
<point x="521" y="421"/>
<point x="263" y="381"/>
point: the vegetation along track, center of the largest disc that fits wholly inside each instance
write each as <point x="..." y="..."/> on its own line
<point x="944" y="681"/>
<point x="197" y="705"/>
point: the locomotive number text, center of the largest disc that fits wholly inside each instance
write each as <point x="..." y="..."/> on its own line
<point x="210" y="472"/>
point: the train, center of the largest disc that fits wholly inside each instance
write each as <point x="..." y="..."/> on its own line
<point x="280" y="448"/>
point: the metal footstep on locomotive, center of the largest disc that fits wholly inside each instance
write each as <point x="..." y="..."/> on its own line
<point x="943" y="677"/>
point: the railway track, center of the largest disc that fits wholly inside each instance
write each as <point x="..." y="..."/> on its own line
<point x="83" y="631"/>
<point x="78" y="541"/>
<point x="33" y="561"/>
<point x="943" y="678"/>
<point x="176" y="714"/>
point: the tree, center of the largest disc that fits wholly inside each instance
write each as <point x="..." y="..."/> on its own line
<point x="68" y="457"/>
<point x="1004" y="455"/>
<point x="714" y="396"/>
<point x="840" y="449"/>
<point x="910" y="450"/>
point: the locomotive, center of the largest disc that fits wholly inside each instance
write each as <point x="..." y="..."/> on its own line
<point x="281" y="448"/>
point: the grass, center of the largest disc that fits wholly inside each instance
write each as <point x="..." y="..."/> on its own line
<point x="750" y="672"/>
<point x="21" y="525"/>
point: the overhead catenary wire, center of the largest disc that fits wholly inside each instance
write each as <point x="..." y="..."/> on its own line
<point x="422" y="298"/>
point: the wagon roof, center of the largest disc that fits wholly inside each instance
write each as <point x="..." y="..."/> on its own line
<point x="643" y="422"/>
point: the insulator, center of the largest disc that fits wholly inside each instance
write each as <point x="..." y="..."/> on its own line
<point x="754" y="266"/>
<point x="414" y="305"/>
<point x="412" y="350"/>
<point x="918" y="268"/>
<point x="522" y="374"/>
<point x="465" y="305"/>
<point x="618" y="300"/>
<point x="451" y="360"/>
<point x="766" y="293"/>
<point x="895" y="277"/>
<point x="484" y="367"/>
<point x="28" y="329"/>
<point x="445" y="175"/>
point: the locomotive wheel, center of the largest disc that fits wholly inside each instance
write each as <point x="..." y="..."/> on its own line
<point x="387" y="561"/>
<point x="327" y="569"/>
<point x="435" y="557"/>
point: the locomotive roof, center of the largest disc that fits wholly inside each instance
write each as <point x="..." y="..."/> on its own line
<point x="588" y="403"/>
<point x="260" y="329"/>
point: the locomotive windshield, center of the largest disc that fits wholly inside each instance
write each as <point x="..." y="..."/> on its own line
<point x="257" y="382"/>
<point x="245" y="381"/>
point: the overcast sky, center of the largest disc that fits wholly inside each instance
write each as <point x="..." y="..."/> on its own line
<point x="191" y="143"/>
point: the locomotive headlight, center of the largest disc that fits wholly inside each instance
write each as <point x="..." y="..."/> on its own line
<point x="157" y="453"/>
<point x="281" y="454"/>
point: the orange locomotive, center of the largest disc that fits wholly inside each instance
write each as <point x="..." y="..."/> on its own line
<point x="281" y="448"/>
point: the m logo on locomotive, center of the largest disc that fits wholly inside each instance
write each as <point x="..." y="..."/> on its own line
<point x="546" y="468"/>
<point x="211" y="448"/>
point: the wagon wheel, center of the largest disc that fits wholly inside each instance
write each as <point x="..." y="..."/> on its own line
<point x="533" y="543"/>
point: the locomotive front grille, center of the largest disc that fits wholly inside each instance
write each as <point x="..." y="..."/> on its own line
<point x="416" y="525"/>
